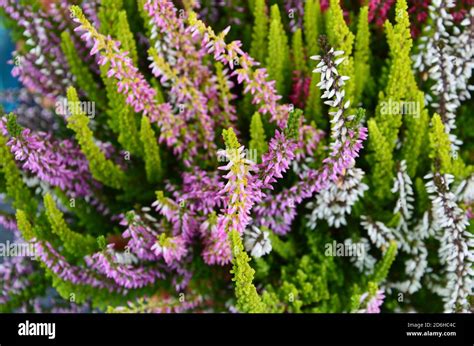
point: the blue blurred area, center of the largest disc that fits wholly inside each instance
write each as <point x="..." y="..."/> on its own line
<point x="6" y="79"/>
<point x="6" y="82"/>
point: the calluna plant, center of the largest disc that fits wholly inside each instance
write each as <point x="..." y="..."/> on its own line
<point x="240" y="156"/>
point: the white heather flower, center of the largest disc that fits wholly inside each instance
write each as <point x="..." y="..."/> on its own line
<point x="465" y="190"/>
<point x="415" y="268"/>
<point x="257" y="242"/>
<point x="456" y="250"/>
<point x="379" y="233"/>
<point x="125" y="258"/>
<point x="365" y="263"/>
<point x="335" y="202"/>
<point x="403" y="185"/>
<point x="446" y="53"/>
<point x="331" y="84"/>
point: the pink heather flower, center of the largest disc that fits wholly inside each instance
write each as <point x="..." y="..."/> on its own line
<point x="296" y="7"/>
<point x="216" y="245"/>
<point x="241" y="191"/>
<point x="374" y="303"/>
<point x="324" y="4"/>
<point x="239" y="195"/>
<point x="461" y="10"/>
<point x="418" y="11"/>
<point x="277" y="212"/>
<point x="58" y="163"/>
<point x="124" y="275"/>
<point x="300" y="92"/>
<point x="172" y="249"/>
<point x="201" y="191"/>
<point x="181" y="220"/>
<point x="281" y="152"/>
<point x="139" y="93"/>
<point x="14" y="272"/>
<point x="8" y="223"/>
<point x="63" y="269"/>
<point x="42" y="68"/>
<point x="307" y="142"/>
<point x="378" y="10"/>
<point x="192" y="85"/>
<point x="256" y="81"/>
<point x="141" y="236"/>
<point x="346" y="142"/>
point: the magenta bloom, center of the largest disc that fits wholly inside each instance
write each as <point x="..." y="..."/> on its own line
<point x="374" y="303"/>
<point x="124" y="275"/>
<point x="58" y="163"/>
<point x="216" y="245"/>
<point x="378" y="10"/>
<point x="172" y="249"/>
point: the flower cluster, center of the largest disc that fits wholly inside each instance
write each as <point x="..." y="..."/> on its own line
<point x="456" y="242"/>
<point x="446" y="55"/>
<point x="133" y="207"/>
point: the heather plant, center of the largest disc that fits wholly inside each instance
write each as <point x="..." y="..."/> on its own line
<point x="259" y="157"/>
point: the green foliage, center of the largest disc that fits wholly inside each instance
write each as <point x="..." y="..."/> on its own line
<point x="305" y="284"/>
<point x="114" y="23"/>
<point x="362" y="54"/>
<point x="247" y="296"/>
<point x="423" y="202"/>
<point x="381" y="160"/>
<point x="128" y="131"/>
<point x="401" y="91"/>
<point x="100" y="298"/>
<point x="84" y="78"/>
<point x="152" y="157"/>
<point x="312" y="23"/>
<point x="109" y="16"/>
<point x="278" y="52"/>
<point x="355" y="299"/>
<point x="446" y="160"/>
<point x="258" y="140"/>
<point x="313" y="109"/>
<point x="13" y="128"/>
<point x="74" y="243"/>
<point x="440" y="145"/>
<point x="299" y="59"/>
<point x="259" y="44"/>
<point x="86" y="214"/>
<point x="224" y="93"/>
<point x="24" y="226"/>
<point x="230" y="139"/>
<point x="36" y="287"/>
<point x="101" y="168"/>
<point x="383" y="266"/>
<point x="125" y="36"/>
<point x="416" y="139"/>
<point x="401" y="84"/>
<point x="293" y="124"/>
<point x="284" y="249"/>
<point x="15" y="187"/>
